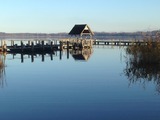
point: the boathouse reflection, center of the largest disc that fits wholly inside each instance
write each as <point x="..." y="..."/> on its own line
<point x="143" y="65"/>
<point x="82" y="54"/>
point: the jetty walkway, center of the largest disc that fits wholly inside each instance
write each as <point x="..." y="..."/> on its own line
<point x="120" y="42"/>
<point x="60" y="44"/>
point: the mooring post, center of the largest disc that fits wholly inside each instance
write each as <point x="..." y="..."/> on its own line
<point x="12" y="43"/>
<point x="43" y="45"/>
<point x="29" y="43"/>
<point x="67" y="49"/>
<point x="61" y="45"/>
<point x="32" y="46"/>
<point x="38" y="42"/>
<point x="60" y="50"/>
<point x="22" y="47"/>
<point x="51" y="45"/>
<point x="55" y="43"/>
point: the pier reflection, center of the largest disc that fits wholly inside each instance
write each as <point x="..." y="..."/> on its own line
<point x="143" y="65"/>
<point x="77" y="54"/>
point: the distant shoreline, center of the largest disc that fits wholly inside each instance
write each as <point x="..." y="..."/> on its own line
<point x="98" y="35"/>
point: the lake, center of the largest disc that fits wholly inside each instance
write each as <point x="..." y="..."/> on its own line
<point x="76" y="87"/>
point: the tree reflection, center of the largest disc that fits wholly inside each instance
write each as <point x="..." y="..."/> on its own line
<point x="143" y="62"/>
<point x="2" y="69"/>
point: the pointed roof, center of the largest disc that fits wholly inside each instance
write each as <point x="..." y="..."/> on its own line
<point x="81" y="29"/>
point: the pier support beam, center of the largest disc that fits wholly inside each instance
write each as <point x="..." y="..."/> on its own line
<point x="32" y="46"/>
<point x="67" y="49"/>
<point x="43" y="45"/>
<point x="22" y="46"/>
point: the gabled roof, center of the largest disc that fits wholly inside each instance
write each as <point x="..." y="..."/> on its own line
<point x="81" y="30"/>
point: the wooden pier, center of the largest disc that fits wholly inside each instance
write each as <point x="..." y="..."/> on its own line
<point x="48" y="46"/>
<point x="120" y="42"/>
<point x="32" y="46"/>
<point x="38" y="46"/>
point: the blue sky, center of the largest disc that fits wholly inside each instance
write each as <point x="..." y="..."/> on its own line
<point x="53" y="16"/>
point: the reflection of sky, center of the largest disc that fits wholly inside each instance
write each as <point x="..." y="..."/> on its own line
<point x="69" y="89"/>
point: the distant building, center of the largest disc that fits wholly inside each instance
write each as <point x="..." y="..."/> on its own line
<point x="81" y="30"/>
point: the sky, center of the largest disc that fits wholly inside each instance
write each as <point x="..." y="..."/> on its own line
<point x="54" y="16"/>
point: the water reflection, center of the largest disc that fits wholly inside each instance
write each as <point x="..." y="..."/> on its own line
<point x="82" y="54"/>
<point x="77" y="54"/>
<point x="143" y="64"/>
<point x="2" y="69"/>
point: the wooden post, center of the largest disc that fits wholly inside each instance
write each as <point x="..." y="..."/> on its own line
<point x="32" y="46"/>
<point x="29" y="42"/>
<point x="60" y="50"/>
<point x="67" y="44"/>
<point x="51" y="45"/>
<point x="39" y="42"/>
<point x="117" y="43"/>
<point x="67" y="49"/>
<point x="61" y="45"/>
<point x="22" y="47"/>
<point x="55" y="42"/>
<point x="42" y="45"/>
<point x="12" y="43"/>
<point x="36" y="42"/>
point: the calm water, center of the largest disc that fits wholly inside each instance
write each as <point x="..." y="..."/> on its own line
<point x="70" y="89"/>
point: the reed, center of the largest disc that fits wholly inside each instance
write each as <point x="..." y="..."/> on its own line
<point x="143" y="62"/>
<point x="149" y="53"/>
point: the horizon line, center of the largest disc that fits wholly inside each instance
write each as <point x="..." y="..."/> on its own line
<point x="68" y="32"/>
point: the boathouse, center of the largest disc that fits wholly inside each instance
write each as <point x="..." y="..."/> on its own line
<point x="81" y="30"/>
<point x="81" y="37"/>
